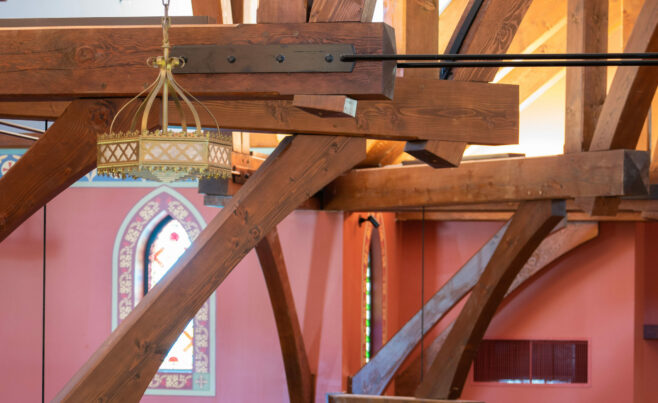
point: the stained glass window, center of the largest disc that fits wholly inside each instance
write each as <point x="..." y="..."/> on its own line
<point x="168" y="242"/>
<point x="368" y="304"/>
<point x="373" y="305"/>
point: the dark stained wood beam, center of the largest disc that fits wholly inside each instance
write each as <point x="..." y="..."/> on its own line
<point x="492" y="32"/>
<point x="632" y="90"/>
<point x="121" y="369"/>
<point x="556" y="245"/>
<point x="532" y="222"/>
<point x="59" y="158"/>
<point x="342" y="10"/>
<point x="276" y="11"/>
<point x="587" y="32"/>
<point x="51" y="63"/>
<point x="331" y="106"/>
<point x="37" y="110"/>
<point x="610" y="173"/>
<point x="295" y="360"/>
<point x="422" y="109"/>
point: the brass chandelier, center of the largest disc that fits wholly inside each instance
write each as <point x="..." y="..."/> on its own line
<point x="164" y="155"/>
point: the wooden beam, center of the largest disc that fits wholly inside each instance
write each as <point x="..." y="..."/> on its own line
<point x="610" y="173"/>
<point x="331" y="106"/>
<point x="102" y="21"/>
<point x="542" y="19"/>
<point x="61" y="156"/>
<point x="237" y="11"/>
<point x="492" y="32"/>
<point x="532" y="222"/>
<point x="575" y="216"/>
<point x="121" y="369"/>
<point x="110" y="61"/>
<point x="422" y="110"/>
<point x="422" y="25"/>
<point x="632" y="90"/>
<point x="448" y="21"/>
<point x="437" y="154"/>
<point x="210" y="8"/>
<point x="587" y="32"/>
<point x="342" y="10"/>
<point x="336" y="398"/>
<point x="37" y="110"/>
<point x="295" y="361"/>
<point x="374" y="377"/>
<point x="556" y="245"/>
<point x="276" y="11"/>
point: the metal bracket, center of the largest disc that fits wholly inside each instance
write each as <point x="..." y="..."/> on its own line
<point x="263" y="59"/>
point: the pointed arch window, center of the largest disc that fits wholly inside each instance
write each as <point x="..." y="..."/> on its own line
<point x="373" y="328"/>
<point x="153" y="236"/>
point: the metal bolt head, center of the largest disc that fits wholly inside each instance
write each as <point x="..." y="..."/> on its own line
<point x="329" y="58"/>
<point x="231" y="59"/>
<point x="280" y="58"/>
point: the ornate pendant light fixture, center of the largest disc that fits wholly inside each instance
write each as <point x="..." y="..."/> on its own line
<point x="164" y="155"/>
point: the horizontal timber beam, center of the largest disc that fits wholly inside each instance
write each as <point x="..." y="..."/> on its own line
<point x="423" y="109"/>
<point x="71" y="62"/>
<point x="605" y="173"/>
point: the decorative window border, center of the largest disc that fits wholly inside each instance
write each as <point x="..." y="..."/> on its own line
<point x="127" y="270"/>
<point x="365" y="252"/>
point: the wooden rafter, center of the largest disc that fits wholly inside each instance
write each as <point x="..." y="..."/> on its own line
<point x="272" y="11"/>
<point x="532" y="222"/>
<point x="492" y="32"/>
<point x="60" y="157"/>
<point x="556" y="245"/>
<point x="295" y="360"/>
<point x="342" y="10"/>
<point x="123" y="366"/>
<point x="110" y="61"/>
<point x="610" y="173"/>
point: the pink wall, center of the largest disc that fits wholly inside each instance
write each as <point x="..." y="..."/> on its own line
<point x="82" y="225"/>
<point x="592" y="294"/>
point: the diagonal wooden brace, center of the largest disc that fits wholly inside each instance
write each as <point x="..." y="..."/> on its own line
<point x="123" y="366"/>
<point x="532" y="222"/>
<point x="295" y="360"/>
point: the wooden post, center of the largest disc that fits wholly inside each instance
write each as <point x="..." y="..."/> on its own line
<point x="123" y="366"/>
<point x="587" y="32"/>
<point x="295" y="361"/>
<point x="532" y="222"/>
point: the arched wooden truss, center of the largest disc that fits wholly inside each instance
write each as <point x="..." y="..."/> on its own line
<point x="72" y="87"/>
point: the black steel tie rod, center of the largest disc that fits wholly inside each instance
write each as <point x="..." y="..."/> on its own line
<point x="513" y="60"/>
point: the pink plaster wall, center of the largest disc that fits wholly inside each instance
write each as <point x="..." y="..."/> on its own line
<point x="82" y="225"/>
<point x="587" y="295"/>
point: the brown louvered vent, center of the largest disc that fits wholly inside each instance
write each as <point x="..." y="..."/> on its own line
<point x="531" y="361"/>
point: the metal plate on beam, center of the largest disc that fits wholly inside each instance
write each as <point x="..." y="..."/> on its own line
<point x="263" y="59"/>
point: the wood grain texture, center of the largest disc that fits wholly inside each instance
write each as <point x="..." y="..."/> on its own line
<point x="610" y="173"/>
<point x="342" y="10"/>
<point x="422" y="25"/>
<point x="437" y="154"/>
<point x="554" y="247"/>
<point x="37" y="110"/>
<point x="422" y="109"/>
<point x="331" y="398"/>
<point x="587" y="32"/>
<point x="295" y="360"/>
<point x="111" y="61"/>
<point x="121" y="369"/>
<point x="278" y="11"/>
<point x="532" y="222"/>
<point x="63" y="155"/>
<point x="492" y="32"/>
<point x="633" y="88"/>
<point x="210" y="8"/>
<point x="374" y="377"/>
